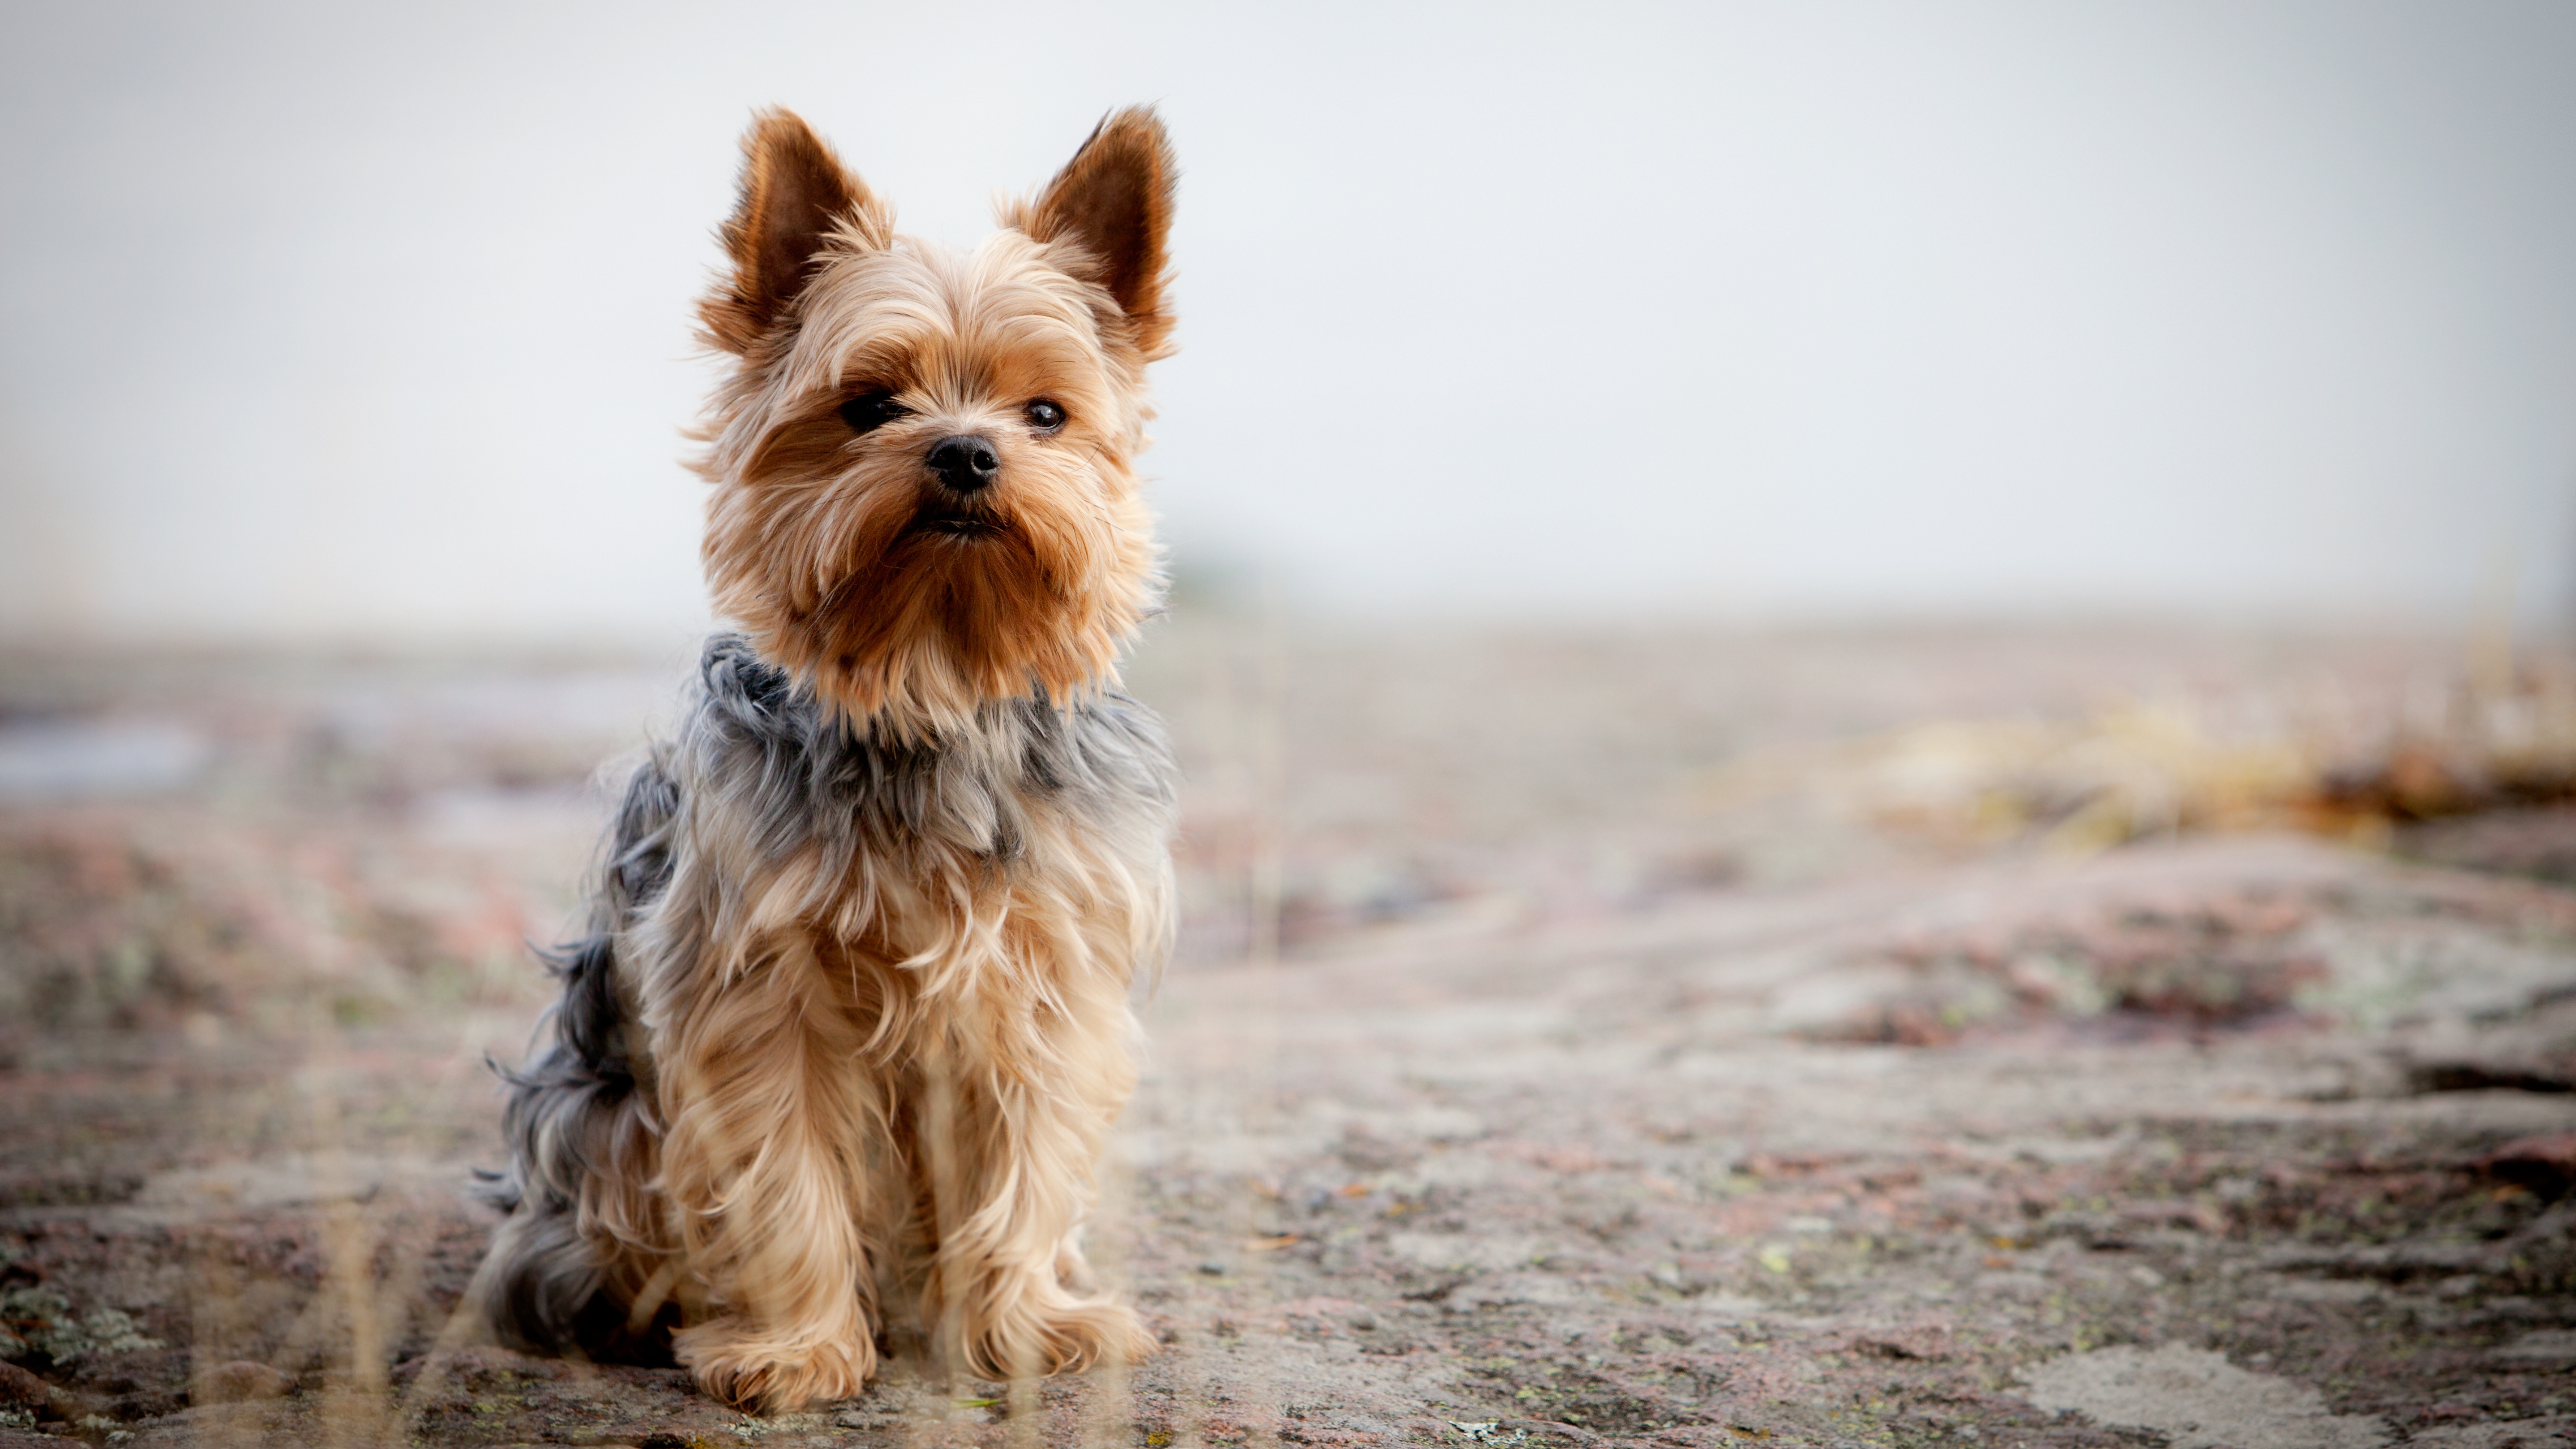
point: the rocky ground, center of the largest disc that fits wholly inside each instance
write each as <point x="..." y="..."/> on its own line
<point x="1610" y="1039"/>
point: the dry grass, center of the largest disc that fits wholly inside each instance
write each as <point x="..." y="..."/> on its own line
<point x="2317" y="759"/>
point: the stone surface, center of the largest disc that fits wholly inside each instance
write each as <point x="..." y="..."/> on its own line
<point x="242" y="1381"/>
<point x="1520" y="1071"/>
<point x="2197" y="1400"/>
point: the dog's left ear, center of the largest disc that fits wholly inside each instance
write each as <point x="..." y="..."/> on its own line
<point x="1114" y="200"/>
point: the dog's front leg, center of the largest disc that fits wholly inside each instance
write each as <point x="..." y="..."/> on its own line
<point x="1014" y="1130"/>
<point x="764" y="1161"/>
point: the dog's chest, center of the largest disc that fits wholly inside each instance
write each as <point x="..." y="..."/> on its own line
<point x="1029" y="798"/>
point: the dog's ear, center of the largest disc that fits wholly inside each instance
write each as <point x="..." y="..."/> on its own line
<point x="795" y="197"/>
<point x="1114" y="199"/>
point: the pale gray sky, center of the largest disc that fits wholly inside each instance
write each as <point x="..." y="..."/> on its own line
<point x="345" y="320"/>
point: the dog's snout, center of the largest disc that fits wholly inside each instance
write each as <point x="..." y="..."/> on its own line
<point x="966" y="462"/>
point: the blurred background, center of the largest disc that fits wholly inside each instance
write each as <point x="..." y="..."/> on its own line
<point x="369" y="323"/>
<point x="1648" y="488"/>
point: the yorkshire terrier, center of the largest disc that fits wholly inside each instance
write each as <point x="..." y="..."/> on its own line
<point x="837" y="1060"/>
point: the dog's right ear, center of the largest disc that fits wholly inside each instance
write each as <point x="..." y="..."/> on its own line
<point x="796" y="197"/>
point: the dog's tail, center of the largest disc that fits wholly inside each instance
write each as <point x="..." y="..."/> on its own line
<point x="578" y="1242"/>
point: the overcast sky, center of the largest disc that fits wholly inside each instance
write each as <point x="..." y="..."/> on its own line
<point x="369" y="319"/>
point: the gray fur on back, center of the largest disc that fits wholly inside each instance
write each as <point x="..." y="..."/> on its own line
<point x="790" y="777"/>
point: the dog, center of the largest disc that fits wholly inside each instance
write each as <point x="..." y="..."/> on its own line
<point x="836" y="1060"/>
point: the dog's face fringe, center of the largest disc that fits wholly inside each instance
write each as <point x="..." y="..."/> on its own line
<point x="902" y="593"/>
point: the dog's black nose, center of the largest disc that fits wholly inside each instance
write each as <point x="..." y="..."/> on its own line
<point x="965" y="463"/>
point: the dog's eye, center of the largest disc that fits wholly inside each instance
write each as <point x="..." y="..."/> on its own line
<point x="870" y="411"/>
<point x="1045" y="416"/>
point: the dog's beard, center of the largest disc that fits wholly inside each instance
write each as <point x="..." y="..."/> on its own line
<point x="969" y="580"/>
<point x="907" y="607"/>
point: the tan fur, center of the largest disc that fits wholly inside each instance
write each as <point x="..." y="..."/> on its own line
<point x="899" y="1097"/>
<point x="872" y="1089"/>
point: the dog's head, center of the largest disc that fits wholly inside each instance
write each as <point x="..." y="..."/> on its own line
<point x="923" y="459"/>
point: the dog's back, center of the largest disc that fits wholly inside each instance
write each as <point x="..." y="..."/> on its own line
<point x="575" y="1116"/>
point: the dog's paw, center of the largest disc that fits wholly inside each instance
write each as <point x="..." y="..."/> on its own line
<point x="1067" y="1336"/>
<point x="1073" y="1270"/>
<point x="761" y="1373"/>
